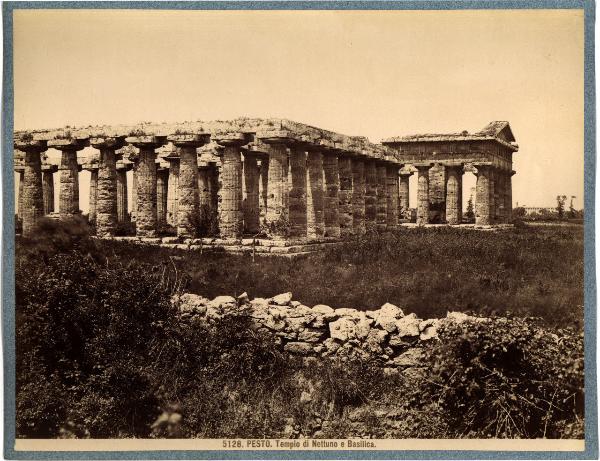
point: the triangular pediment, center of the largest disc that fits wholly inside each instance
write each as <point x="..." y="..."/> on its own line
<point x="500" y="130"/>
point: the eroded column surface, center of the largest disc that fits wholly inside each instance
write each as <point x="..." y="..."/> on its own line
<point x="162" y="181"/>
<point x="173" y="190"/>
<point x="188" y="209"/>
<point x="48" y="171"/>
<point x="331" y="201"/>
<point x="32" y="201"/>
<point x="404" y="194"/>
<point x="93" y="195"/>
<point x="322" y="195"/>
<point x="508" y="192"/>
<point x="437" y="193"/>
<point x="146" y="217"/>
<point x="392" y="197"/>
<point x="231" y="218"/>
<point x="453" y="192"/>
<point x="499" y="196"/>
<point x="423" y="195"/>
<point x="277" y="215"/>
<point x="298" y="195"/>
<point x="134" y="189"/>
<point x="251" y="200"/>
<point x="492" y="199"/>
<point x="263" y="189"/>
<point x="381" y="197"/>
<point x="482" y="199"/>
<point x="370" y="195"/>
<point x="106" y="191"/>
<point x="122" y="204"/>
<point x="358" y="195"/>
<point x="69" y="175"/>
<point x="345" y="196"/>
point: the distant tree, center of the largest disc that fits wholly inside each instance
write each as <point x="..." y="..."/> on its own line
<point x="470" y="214"/>
<point x="560" y="205"/>
<point x="519" y="212"/>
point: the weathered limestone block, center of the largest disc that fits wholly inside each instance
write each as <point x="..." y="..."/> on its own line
<point x="282" y="299"/>
<point x="404" y="191"/>
<point x="358" y="196"/>
<point x="162" y="180"/>
<point x="370" y="195"/>
<point x="93" y="194"/>
<point x="423" y="195"/>
<point x="331" y="202"/>
<point x="315" y="195"/>
<point x="342" y="329"/>
<point x="32" y="196"/>
<point x="408" y="326"/>
<point x="48" y="171"/>
<point x="345" y="196"/>
<point x="482" y="199"/>
<point x="146" y="217"/>
<point x="453" y="194"/>
<point x="300" y="348"/>
<point x="231" y="217"/>
<point x="381" y="197"/>
<point x="297" y="194"/>
<point x="374" y="341"/>
<point x="251" y="200"/>
<point x="173" y="190"/>
<point x="437" y="193"/>
<point x="106" y="191"/>
<point x="392" y="197"/>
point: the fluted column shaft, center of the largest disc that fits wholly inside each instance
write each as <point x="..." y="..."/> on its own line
<point x="453" y="192"/>
<point x="508" y="200"/>
<point x="231" y="219"/>
<point x="370" y="195"/>
<point x="423" y="195"/>
<point x="492" y="188"/>
<point x="187" y="192"/>
<point x="277" y="189"/>
<point x="358" y="196"/>
<point x="298" y="195"/>
<point x="162" y="181"/>
<point x="392" y="197"/>
<point x="93" y="195"/>
<point x="345" y="196"/>
<point x="325" y="167"/>
<point x="134" y="190"/>
<point x="146" y="218"/>
<point x="263" y="189"/>
<point x="404" y="195"/>
<point x="48" y="189"/>
<point x="122" y="195"/>
<point x="381" y="198"/>
<point x="482" y="200"/>
<point x="173" y="191"/>
<point x="251" y="200"/>
<point x="69" y="184"/>
<point x="33" y="202"/>
<point x="21" y="172"/>
<point x="314" y="208"/>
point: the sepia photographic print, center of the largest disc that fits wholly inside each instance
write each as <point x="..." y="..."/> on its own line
<point x="299" y="230"/>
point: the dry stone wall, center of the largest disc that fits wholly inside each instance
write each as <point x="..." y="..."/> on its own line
<point x="387" y="335"/>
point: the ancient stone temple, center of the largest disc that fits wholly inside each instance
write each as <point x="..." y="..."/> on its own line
<point x="260" y="178"/>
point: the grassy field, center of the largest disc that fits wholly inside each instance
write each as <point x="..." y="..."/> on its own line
<point x="529" y="271"/>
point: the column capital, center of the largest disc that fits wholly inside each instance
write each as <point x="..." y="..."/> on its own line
<point x="107" y="142"/>
<point x="231" y="139"/>
<point x="189" y="139"/>
<point x="72" y="144"/>
<point x="146" y="141"/>
<point x="124" y="165"/>
<point x="406" y="171"/>
<point x="90" y="166"/>
<point x="49" y="167"/>
<point x="30" y="145"/>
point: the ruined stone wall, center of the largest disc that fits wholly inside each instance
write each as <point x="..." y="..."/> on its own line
<point x="387" y="335"/>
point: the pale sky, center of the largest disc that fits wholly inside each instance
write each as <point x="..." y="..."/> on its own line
<point x="376" y="74"/>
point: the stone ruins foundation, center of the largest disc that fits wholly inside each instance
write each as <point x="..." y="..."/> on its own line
<point x="245" y="178"/>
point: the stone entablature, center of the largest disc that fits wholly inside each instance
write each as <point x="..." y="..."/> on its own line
<point x="270" y="177"/>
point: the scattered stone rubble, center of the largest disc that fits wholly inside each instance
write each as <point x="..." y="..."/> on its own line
<point x="385" y="335"/>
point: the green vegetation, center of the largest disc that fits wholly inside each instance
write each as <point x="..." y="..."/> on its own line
<point x="102" y="352"/>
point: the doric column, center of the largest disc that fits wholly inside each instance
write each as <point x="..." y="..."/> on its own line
<point x="106" y="192"/>
<point x="146" y="218"/>
<point x="134" y="189"/>
<point x="381" y="197"/>
<point x="358" y="195"/>
<point x="453" y="194"/>
<point x="263" y="188"/>
<point x="277" y="216"/>
<point x="188" y="216"/>
<point x="437" y="193"/>
<point x="345" y="195"/>
<point x="162" y="181"/>
<point x="499" y="195"/>
<point x="492" y="186"/>
<point x="93" y="194"/>
<point x="32" y="201"/>
<point x="314" y="207"/>
<point x="48" y="170"/>
<point x="298" y="195"/>
<point x="423" y="194"/>
<point x="482" y="199"/>
<point x="404" y="191"/>
<point x="508" y="192"/>
<point x="172" y="188"/>
<point x="208" y="195"/>
<point x="324" y="166"/>
<point x="20" y="169"/>
<point x="251" y="197"/>
<point x="231" y="219"/>
<point x="122" y="167"/>
<point x="370" y="195"/>
<point x="392" y="196"/>
<point x="69" y="174"/>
